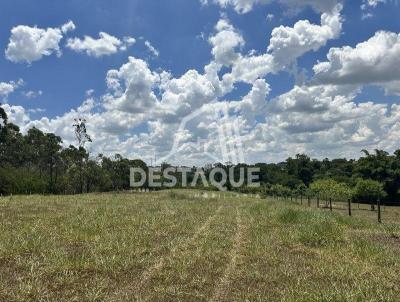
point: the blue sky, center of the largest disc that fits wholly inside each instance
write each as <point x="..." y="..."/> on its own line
<point x="179" y="30"/>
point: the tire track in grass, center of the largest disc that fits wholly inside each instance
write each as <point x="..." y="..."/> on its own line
<point x="222" y="290"/>
<point x="149" y="273"/>
<point x="160" y="264"/>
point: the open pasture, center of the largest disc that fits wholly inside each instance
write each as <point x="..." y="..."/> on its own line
<point x="179" y="246"/>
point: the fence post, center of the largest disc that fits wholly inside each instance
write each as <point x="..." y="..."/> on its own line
<point x="309" y="201"/>
<point x="379" y="211"/>
<point x="349" y="203"/>
<point x="301" y="199"/>
<point x="318" y="202"/>
<point x="330" y="204"/>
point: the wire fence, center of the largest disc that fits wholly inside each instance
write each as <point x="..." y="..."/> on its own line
<point x="378" y="211"/>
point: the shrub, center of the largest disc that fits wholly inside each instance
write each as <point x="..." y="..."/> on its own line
<point x="368" y="190"/>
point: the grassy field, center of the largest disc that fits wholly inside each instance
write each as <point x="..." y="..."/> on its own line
<point x="178" y="246"/>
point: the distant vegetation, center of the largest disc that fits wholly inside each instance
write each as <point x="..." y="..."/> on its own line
<point x="37" y="162"/>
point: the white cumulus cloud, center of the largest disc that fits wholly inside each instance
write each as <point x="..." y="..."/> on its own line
<point x="105" y="45"/>
<point x="375" y="61"/>
<point x="289" y="43"/>
<point x="69" y="26"/>
<point x="29" y="44"/>
<point x="133" y="87"/>
<point x="225" y="42"/>
<point x="6" y="88"/>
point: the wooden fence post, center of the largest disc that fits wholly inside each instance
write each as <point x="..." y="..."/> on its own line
<point x="318" y="202"/>
<point x="330" y="204"/>
<point x="379" y="211"/>
<point x="309" y="201"/>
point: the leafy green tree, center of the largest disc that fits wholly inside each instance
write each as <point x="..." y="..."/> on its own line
<point x="3" y="117"/>
<point x="301" y="190"/>
<point x="327" y="189"/>
<point x="301" y="167"/>
<point x="368" y="190"/>
<point x="378" y="166"/>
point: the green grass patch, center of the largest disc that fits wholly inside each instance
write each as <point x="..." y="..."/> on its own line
<point x="290" y="215"/>
<point x="168" y="246"/>
<point x="320" y="230"/>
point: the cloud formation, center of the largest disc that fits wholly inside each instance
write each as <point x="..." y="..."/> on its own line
<point x="31" y="94"/>
<point x="105" y="45"/>
<point x="225" y="43"/>
<point x="375" y="61"/>
<point x="151" y="48"/>
<point x="6" y="88"/>
<point x="245" y="6"/>
<point x="141" y="111"/>
<point x="289" y="43"/>
<point x="30" y="44"/>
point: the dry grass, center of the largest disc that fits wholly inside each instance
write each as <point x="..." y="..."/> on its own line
<point x="177" y="247"/>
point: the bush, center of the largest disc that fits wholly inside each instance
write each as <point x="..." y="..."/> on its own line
<point x="328" y="188"/>
<point x="20" y="181"/>
<point x="369" y="191"/>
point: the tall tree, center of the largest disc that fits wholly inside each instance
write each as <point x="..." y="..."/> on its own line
<point x="82" y="138"/>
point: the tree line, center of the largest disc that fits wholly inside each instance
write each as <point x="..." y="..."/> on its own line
<point x="37" y="162"/>
<point x="375" y="176"/>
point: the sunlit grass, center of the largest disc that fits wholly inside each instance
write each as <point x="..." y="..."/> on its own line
<point x="181" y="246"/>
